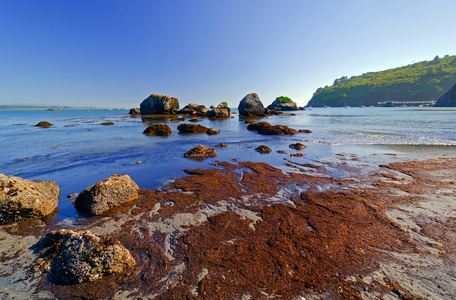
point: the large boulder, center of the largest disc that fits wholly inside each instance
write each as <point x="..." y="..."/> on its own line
<point x="200" y="153"/>
<point x="111" y="192"/>
<point x="219" y="113"/>
<point x="159" y="104"/>
<point x="251" y="105"/>
<point x="283" y="104"/>
<point x="448" y="99"/>
<point x="75" y="257"/>
<point x="191" y="128"/>
<point x="159" y="129"/>
<point x="22" y="199"/>
<point x="194" y="110"/>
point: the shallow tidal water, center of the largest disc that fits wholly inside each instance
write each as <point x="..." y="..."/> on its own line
<point x="77" y="152"/>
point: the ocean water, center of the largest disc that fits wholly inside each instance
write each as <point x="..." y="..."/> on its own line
<point x="77" y="152"/>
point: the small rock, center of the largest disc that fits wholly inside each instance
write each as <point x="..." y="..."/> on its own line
<point x="159" y="129"/>
<point x="281" y="152"/>
<point x="107" y="123"/>
<point x="221" y="145"/>
<point x="72" y="196"/>
<point x="297" y="146"/>
<point x="200" y="153"/>
<point x="195" y="120"/>
<point x="55" y="146"/>
<point x="304" y="131"/>
<point x="137" y="162"/>
<point x="212" y="131"/>
<point x="135" y="111"/>
<point x="263" y="149"/>
<point x="113" y="191"/>
<point x="44" y="124"/>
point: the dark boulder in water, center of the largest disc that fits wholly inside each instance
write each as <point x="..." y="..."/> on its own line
<point x="297" y="146"/>
<point x="283" y="104"/>
<point x="265" y="128"/>
<point x="191" y="128"/>
<point x="251" y="105"/>
<point x="159" y="129"/>
<point x="212" y="131"/>
<point x="219" y="113"/>
<point x="194" y="110"/>
<point x="44" y="124"/>
<point x="263" y="149"/>
<point x="159" y="104"/>
<point x="135" y="111"/>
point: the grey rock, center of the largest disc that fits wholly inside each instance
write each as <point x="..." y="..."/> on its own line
<point x="251" y="105"/>
<point x="159" y="104"/>
<point x="200" y="153"/>
<point x="281" y="106"/>
<point x="219" y="113"/>
<point x="22" y="199"/>
<point x="195" y="110"/>
<point x="113" y="191"/>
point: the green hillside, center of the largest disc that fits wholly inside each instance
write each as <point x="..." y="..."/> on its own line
<point x="422" y="81"/>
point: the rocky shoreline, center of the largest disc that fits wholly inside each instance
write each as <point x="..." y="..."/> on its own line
<point x="237" y="229"/>
<point x="251" y="231"/>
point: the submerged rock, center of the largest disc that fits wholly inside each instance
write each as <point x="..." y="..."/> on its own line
<point x="22" y="199"/>
<point x="44" y="124"/>
<point x="265" y="128"/>
<point x="251" y="105"/>
<point x="135" y="111"/>
<point x="200" y="153"/>
<point x="297" y="146"/>
<point x="191" y="128"/>
<point x="159" y="129"/>
<point x="263" y="149"/>
<point x="75" y="257"/>
<point x="111" y="192"/>
<point x="305" y="131"/>
<point x="159" y="104"/>
<point x="212" y="131"/>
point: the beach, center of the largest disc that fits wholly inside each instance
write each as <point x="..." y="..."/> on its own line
<point x="353" y="218"/>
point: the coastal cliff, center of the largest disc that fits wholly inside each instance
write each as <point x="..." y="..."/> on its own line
<point x="422" y="81"/>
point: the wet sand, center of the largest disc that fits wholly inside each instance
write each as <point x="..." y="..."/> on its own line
<point x="244" y="230"/>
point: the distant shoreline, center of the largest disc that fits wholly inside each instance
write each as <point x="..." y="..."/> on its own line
<point x="25" y="107"/>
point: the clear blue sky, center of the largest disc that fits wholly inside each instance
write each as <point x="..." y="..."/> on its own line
<point x="115" y="53"/>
